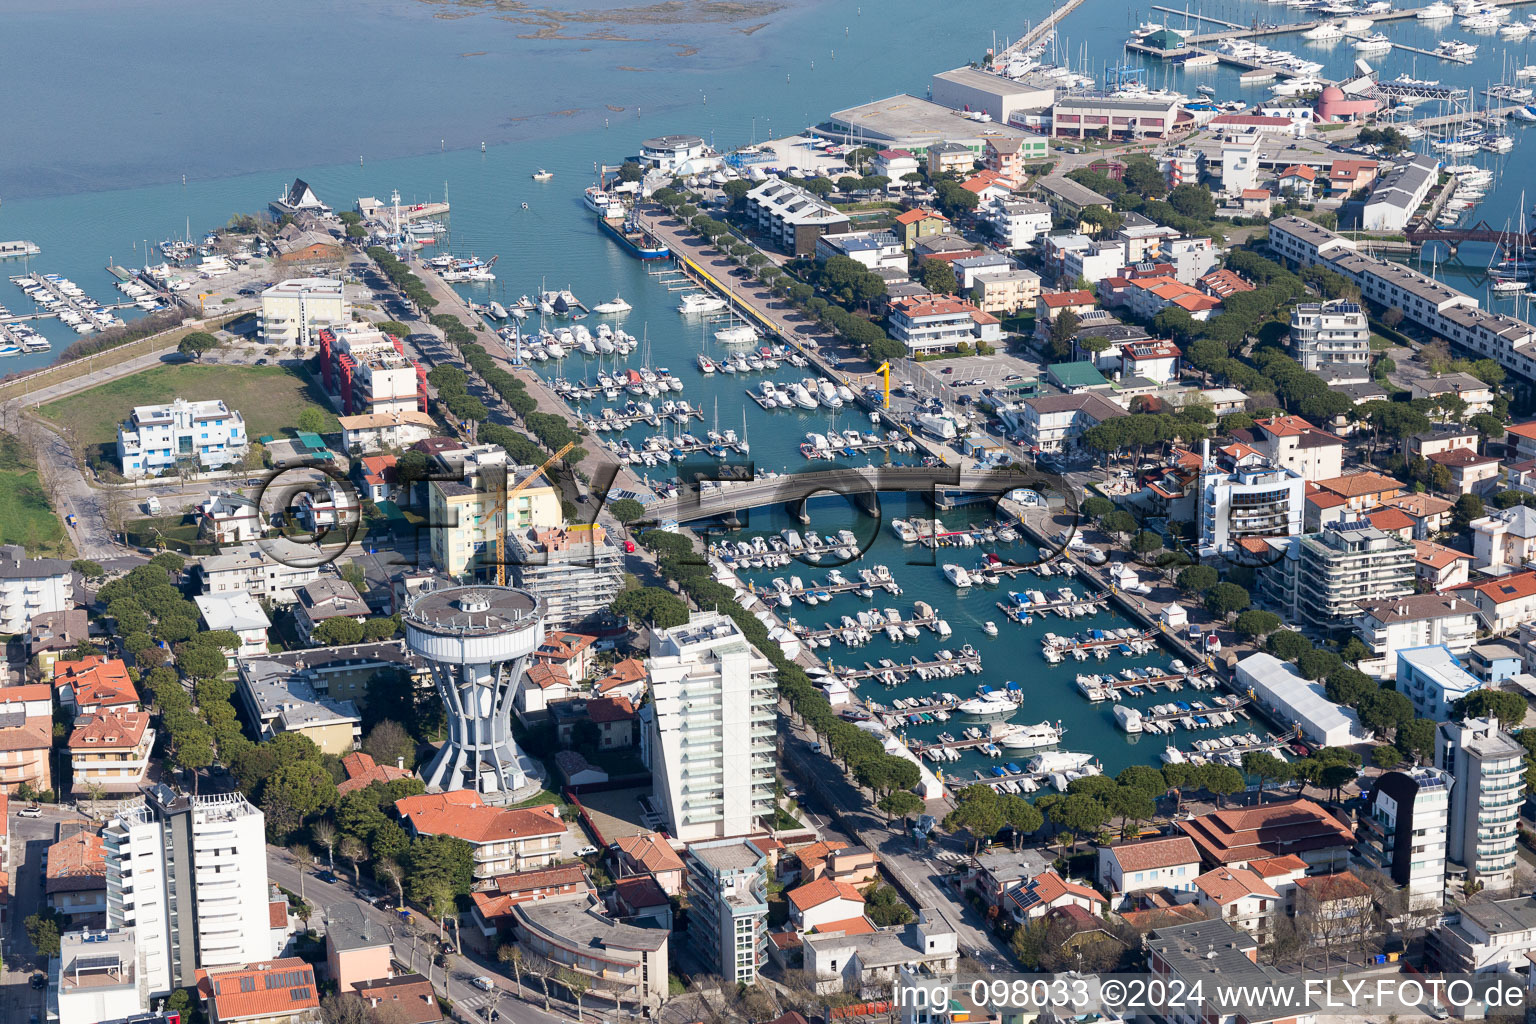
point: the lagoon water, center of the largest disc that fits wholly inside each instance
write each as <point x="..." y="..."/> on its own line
<point x="109" y="106"/>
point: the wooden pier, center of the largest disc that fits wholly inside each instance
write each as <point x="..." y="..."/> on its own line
<point x="846" y="587"/>
<point x="930" y="622"/>
<point x="623" y="421"/>
<point x="1237" y="710"/>
<point x="904" y="672"/>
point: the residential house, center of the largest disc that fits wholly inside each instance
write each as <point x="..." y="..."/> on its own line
<point x="94" y="684"/>
<point x="277" y="992"/>
<point x="615" y="719"/>
<point x="1005" y="157"/>
<point x="855" y="865"/>
<point x="1298" y="181"/>
<point x="791" y="217"/>
<point x="1484" y="936"/>
<point x="1503" y="603"/>
<point x="375" y="474"/>
<point x="494" y="899"/>
<point x="947" y="157"/>
<point x="26" y="737"/>
<point x="229" y="519"/>
<point x="1223" y="284"/>
<point x="109" y="751"/>
<point x="1429" y="513"/>
<point x="1048" y="891"/>
<point x="1470" y="472"/>
<point x="1345" y="176"/>
<point x="1362" y="491"/>
<point x="1293" y="443"/>
<point x="1190" y="954"/>
<point x="1055" y="422"/>
<point x="987" y="185"/>
<point x="993" y="872"/>
<point x="273" y="569"/>
<point x="639" y="900"/>
<point x="405" y="999"/>
<point x="915" y="225"/>
<point x="357" y="948"/>
<point x="1008" y="291"/>
<point x="1439" y="567"/>
<point x="286" y="694"/>
<point x="325" y="599"/>
<point x="570" y="651"/>
<point x="1336" y="906"/>
<point x="1442" y="439"/>
<point x="628" y="678"/>
<point x="893" y="163"/>
<point x="543" y="687"/>
<point x="938" y="324"/>
<point x="505" y="839"/>
<point x="853" y="962"/>
<point x="1016" y="223"/>
<point x="826" y="905"/>
<point x="647" y="853"/>
<point x="100" y="976"/>
<point x="1477" y="395"/>
<point x="52" y="633"/>
<point x="240" y="614"/>
<point x="362" y="771"/>
<point x="1049" y="305"/>
<point x="1168" y="863"/>
<point x="376" y="431"/>
<point x="1520" y="440"/>
<point x="76" y="880"/>
<point x="1505" y="540"/>
<point x="1241" y="898"/>
<point x="1417" y="620"/>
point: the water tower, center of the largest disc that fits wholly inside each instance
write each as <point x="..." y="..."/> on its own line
<point x="477" y="640"/>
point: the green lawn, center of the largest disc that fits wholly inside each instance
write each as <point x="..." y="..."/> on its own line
<point x="269" y="397"/>
<point x="26" y="518"/>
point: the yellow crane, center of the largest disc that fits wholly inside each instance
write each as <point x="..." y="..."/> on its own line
<point x="499" y="513"/>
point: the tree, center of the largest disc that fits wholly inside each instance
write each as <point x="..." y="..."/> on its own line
<point x="338" y="631"/>
<point x="439" y="860"/>
<point x="626" y="510"/>
<point x="1197" y="579"/>
<point x="938" y="276"/>
<point x="1318" y="664"/>
<point x="1063" y="330"/>
<point x="1384" y="711"/>
<point x="1142" y="176"/>
<point x="1079" y="814"/>
<point x="354" y="852"/>
<point x="196" y="343"/>
<point x="1416" y="739"/>
<point x="1349" y="686"/>
<point x="575" y="983"/>
<point x="1287" y="644"/>
<point x="311" y="419"/>
<point x="43" y="930"/>
<point x="323" y="834"/>
<point x="201" y="661"/>
<point x="1468" y="507"/>
<point x="88" y="569"/>
<point x="1146" y="542"/>
<point x="1193" y="201"/>
<point x="1220" y="780"/>
<point x="512" y="955"/>
<point x="900" y="803"/>
<point x="658" y="608"/>
<point x="388" y="743"/>
<point x="344" y="1008"/>
<point x="1226" y="599"/>
<point x="1254" y="623"/>
<point x="630" y="171"/>
<point x="1119" y="522"/>
<point x="293" y="793"/>
<point x="1267" y="768"/>
<point x="1508" y="708"/>
<point x="884" y="907"/>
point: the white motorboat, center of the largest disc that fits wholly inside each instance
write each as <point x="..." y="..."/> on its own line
<point x="617" y="305"/>
<point x="1026" y="737"/>
<point x="700" y="302"/>
<point x="740" y="334"/>
<point x="1437" y="11"/>
<point x="1376" y="42"/>
<point x="542" y="175"/>
<point x="1058" y="761"/>
<point x="601" y="203"/>
<point x="992" y="706"/>
<point x="903" y="529"/>
<point x="1324" y="30"/>
<point x="957" y="575"/>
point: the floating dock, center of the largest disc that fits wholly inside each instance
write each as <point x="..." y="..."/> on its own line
<point x="9" y="250"/>
<point x="902" y="673"/>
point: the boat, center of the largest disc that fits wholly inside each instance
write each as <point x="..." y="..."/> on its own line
<point x="601" y="203"/>
<point x="1324" y="30"/>
<point x="989" y="628"/>
<point x="990" y="706"/>
<point x="618" y="305"/>
<point x="1026" y="737"/>
<point x="631" y="238"/>
<point x="498" y="311"/>
<point x="706" y="364"/>
<point x="740" y="334"/>
<point x="1455" y="49"/>
<point x="903" y="529"/>
<point x="1525" y="113"/>
<point x="940" y="425"/>
<point x="1437" y="11"/>
<point x="1128" y="718"/>
<point x="1206" y="90"/>
<point x="1376" y="42"/>
<point x="542" y="175"/>
<point x="1058" y="761"/>
<point x="700" y="302"/>
<point x="957" y="575"/>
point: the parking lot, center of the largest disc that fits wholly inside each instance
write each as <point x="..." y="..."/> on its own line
<point x="965" y="375"/>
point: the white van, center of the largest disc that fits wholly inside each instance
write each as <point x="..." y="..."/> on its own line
<point x="152" y="506"/>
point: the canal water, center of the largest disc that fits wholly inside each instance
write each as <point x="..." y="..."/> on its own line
<point x="414" y="92"/>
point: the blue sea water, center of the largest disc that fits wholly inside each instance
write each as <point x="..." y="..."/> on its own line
<point x="131" y="122"/>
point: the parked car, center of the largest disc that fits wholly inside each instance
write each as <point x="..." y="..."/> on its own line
<point x="483" y="983"/>
<point x="33" y="811"/>
<point x="586" y="851"/>
<point x="948" y="369"/>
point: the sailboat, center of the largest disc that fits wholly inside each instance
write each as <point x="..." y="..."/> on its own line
<point x="1512" y="262"/>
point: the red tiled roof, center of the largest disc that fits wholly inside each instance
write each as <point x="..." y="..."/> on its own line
<point x="1436" y="556"/>
<point x="277" y="913"/>
<point x="95" y="680"/>
<point x="1525" y="430"/>
<point x="1513" y="587"/>
<point x="625" y="673"/>
<point x="461" y="813"/>
<point x="1274" y="867"/>
<point x="932" y="306"/>
<point x="919" y="214"/>
<point x="544" y="676"/>
<point x="1048" y="887"/>
<point x="378" y="469"/>
<point x="1255" y="193"/>
<point x="1149" y="854"/>
<point x="848" y="926"/>
<point x="529" y="886"/>
<point x="1354" y="485"/>
<point x="641" y="891"/>
<point x="115" y="730"/>
<point x="410" y="994"/>
<point x="1390" y="519"/>
<point x="1341" y="885"/>
<point x="560" y="645"/>
<point x="1461" y="458"/>
<point x="1060" y="300"/>
<point x="823" y="890"/>
<point x="1299" y="171"/>
<point x="77" y="863"/>
<point x="1248" y="833"/>
<point x="279" y="987"/>
<point x="650" y="851"/>
<point x="818" y="852"/>
<point x="362" y="772"/>
<point x="610" y="709"/>
<point x="1227" y="885"/>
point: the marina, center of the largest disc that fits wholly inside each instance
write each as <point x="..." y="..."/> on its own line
<point x="61" y="298"/>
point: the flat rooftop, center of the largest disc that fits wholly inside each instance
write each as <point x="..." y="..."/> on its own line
<point x="908" y="120"/>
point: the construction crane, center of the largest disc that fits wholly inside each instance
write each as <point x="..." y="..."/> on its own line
<point x="499" y="513"/>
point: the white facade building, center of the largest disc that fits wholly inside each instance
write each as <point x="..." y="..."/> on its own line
<point x="156" y="437"/>
<point x="32" y="586"/>
<point x="1017" y="222"/>
<point x="294" y="312"/>
<point x="1434" y="680"/>
<point x="712" y="735"/>
<point x="1403" y="832"/>
<point x="1387" y="627"/>
<point x="274" y="569"/>
<point x="1489" y="768"/>
<point x="1330" y="334"/>
<point x="189" y="875"/>
<point x="1299" y="701"/>
<point x="1248" y="501"/>
<point x="98" y="975"/>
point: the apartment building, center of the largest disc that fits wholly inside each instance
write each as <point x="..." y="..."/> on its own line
<point x="93" y="684"/>
<point x="1324" y="577"/>
<point x="1053" y="423"/>
<point x="622" y="962"/>
<point x="32" y="586"/>
<point x="940" y="324"/>
<point x="1417" y="620"/>
<point x="1488" y="767"/>
<point x="371" y="432"/>
<point x="711" y="737"/>
<point x="1505" y="540"/>
<point x="1242" y="496"/>
<point x="576" y="570"/>
<point x="1188" y="955"/>
<point x="26" y="737"/>
<point x="505" y="839"/>
<point x="1167" y="863"/>
<point x="793" y="218"/>
<point x="462" y="512"/>
<point x="272" y="569"/>
<point x="1329" y="334"/>
<point x="367" y="373"/>
<point x="109" y="752"/>
<point x="1292" y="443"/>
<point x="1241" y="898"/>
<point x="76" y="878"/>
<point x="294" y="312"/>
<point x="875" y="250"/>
<point x="189" y="875"/>
<point x="155" y="438"/>
<point x="1016" y="223"/>
<point x="727" y="882"/>
<point x="1434" y="679"/>
<point x="1403" y="832"/>
<point x="281" y="694"/>
<point x="1398" y="193"/>
<point x="100" y="977"/>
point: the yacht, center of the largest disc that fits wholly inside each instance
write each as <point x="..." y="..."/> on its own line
<point x="903" y="529"/>
<point x="1376" y="42"/>
<point x="1058" y="761"/>
<point x="700" y="302"/>
<point x="1437" y="11"/>
<point x="618" y="305"/>
<point x="601" y="203"/>
<point x="1026" y="737"/>
<point x="1324" y="30"/>
<point x="957" y="575"/>
<point x="542" y="175"/>
<point x="991" y="706"/>
<point x="706" y="364"/>
<point x="741" y="334"/>
<point x="1455" y="49"/>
